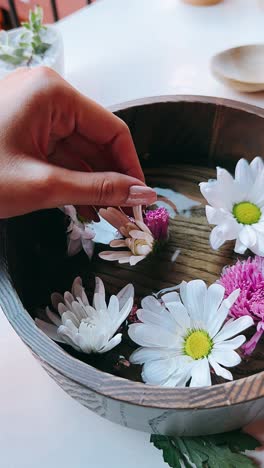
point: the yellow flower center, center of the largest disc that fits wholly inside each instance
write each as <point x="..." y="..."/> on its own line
<point x="246" y="213"/>
<point x="198" y="344"/>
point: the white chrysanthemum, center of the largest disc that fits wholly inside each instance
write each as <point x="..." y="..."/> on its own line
<point x="183" y="336"/>
<point x="88" y="328"/>
<point x="236" y="206"/>
<point x="80" y="234"/>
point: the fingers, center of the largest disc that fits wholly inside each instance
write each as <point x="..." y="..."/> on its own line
<point x="97" y="189"/>
<point x="104" y="128"/>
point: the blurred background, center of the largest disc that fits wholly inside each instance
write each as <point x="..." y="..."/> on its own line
<point x="12" y="12"/>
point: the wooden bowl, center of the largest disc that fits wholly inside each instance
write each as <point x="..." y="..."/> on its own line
<point x="241" y="68"/>
<point x="195" y="133"/>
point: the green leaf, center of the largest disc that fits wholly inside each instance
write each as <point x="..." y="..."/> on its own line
<point x="216" y="451"/>
<point x="236" y="440"/>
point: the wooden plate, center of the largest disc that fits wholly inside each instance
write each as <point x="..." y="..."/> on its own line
<point x="241" y="68"/>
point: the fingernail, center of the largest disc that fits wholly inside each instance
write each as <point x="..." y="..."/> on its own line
<point x="141" y="195"/>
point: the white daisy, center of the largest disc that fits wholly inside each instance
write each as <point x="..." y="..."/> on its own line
<point x="80" y="234"/>
<point x="182" y="336"/>
<point x="236" y="206"/>
<point x="88" y="328"/>
<point x="138" y="239"/>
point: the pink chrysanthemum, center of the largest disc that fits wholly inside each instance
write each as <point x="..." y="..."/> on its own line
<point x="247" y="275"/>
<point x="158" y="222"/>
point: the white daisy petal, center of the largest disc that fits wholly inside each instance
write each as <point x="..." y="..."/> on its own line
<point x="195" y="299"/>
<point x="151" y="303"/>
<point x="239" y="247"/>
<point x="200" y="374"/>
<point x="216" y="215"/>
<point x="212" y="193"/>
<point x="224" y="177"/>
<point x="228" y="358"/>
<point x="234" y="327"/>
<point x="178" y="378"/>
<point x="258" y="248"/>
<point x="151" y="335"/>
<point x="179" y="314"/>
<point x="256" y="166"/>
<point x="217" y="237"/>
<point x="156" y="372"/>
<point x="243" y="174"/>
<point x="248" y="236"/>
<point x="153" y="318"/>
<point x="256" y="193"/>
<point x="219" y="317"/>
<point x="172" y="296"/>
<point x="234" y="343"/>
<point x="142" y="355"/>
<point x="226" y="374"/>
<point x="214" y="297"/>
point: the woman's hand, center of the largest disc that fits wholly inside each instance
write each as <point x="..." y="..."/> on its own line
<point x="57" y="147"/>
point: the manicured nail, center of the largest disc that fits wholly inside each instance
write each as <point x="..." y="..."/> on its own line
<point x="141" y="195"/>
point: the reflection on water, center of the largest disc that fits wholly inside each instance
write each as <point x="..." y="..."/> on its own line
<point x="175" y="202"/>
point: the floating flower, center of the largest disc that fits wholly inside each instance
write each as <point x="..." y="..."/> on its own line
<point x="80" y="234"/>
<point x="88" y="328"/>
<point x="183" y="335"/>
<point x="138" y="239"/>
<point x="249" y="277"/>
<point x="158" y="223"/>
<point x="236" y="206"/>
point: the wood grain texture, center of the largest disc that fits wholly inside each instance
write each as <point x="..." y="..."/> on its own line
<point x="178" y="140"/>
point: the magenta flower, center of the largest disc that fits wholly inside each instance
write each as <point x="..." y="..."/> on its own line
<point x="158" y="223"/>
<point x="248" y="276"/>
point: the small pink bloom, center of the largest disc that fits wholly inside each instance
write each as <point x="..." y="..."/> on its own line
<point x="248" y="276"/>
<point x="158" y="222"/>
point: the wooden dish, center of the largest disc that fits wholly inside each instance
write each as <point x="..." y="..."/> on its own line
<point x="202" y="2"/>
<point x="241" y="67"/>
<point x="180" y="140"/>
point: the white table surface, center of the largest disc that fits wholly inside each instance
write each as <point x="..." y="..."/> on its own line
<point x="115" y="50"/>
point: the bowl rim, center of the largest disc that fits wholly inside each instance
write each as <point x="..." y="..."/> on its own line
<point x="120" y="389"/>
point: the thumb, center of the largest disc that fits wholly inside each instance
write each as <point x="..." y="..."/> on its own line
<point x="97" y="188"/>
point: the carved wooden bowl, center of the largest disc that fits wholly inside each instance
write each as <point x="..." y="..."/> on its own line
<point x="180" y="140"/>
